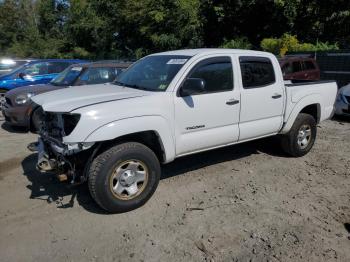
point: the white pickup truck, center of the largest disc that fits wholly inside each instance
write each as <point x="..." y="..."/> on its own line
<point x="169" y="105"/>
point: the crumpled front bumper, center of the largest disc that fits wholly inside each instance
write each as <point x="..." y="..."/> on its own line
<point x="53" y="154"/>
<point x="44" y="163"/>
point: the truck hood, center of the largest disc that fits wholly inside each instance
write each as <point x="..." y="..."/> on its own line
<point x="69" y="99"/>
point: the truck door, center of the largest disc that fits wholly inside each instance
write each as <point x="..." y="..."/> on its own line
<point x="207" y="106"/>
<point x="262" y="98"/>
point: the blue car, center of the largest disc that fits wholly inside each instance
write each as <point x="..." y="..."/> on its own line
<point x="34" y="72"/>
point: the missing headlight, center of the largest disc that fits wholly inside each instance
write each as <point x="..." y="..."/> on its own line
<point x="70" y="121"/>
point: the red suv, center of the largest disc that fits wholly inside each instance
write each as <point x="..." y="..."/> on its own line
<point x="300" y="68"/>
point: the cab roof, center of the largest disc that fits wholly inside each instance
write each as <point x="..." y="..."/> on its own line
<point x="200" y="51"/>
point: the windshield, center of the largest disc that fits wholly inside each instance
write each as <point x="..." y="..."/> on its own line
<point x="153" y="73"/>
<point x="67" y="76"/>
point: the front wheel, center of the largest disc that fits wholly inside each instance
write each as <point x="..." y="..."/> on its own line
<point x="301" y="138"/>
<point x="124" y="177"/>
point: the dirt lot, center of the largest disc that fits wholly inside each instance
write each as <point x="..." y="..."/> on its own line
<point x="242" y="203"/>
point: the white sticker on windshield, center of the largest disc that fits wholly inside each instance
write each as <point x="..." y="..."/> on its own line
<point x="76" y="68"/>
<point x="176" y="61"/>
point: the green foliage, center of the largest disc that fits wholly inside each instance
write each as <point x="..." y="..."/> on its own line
<point x="237" y="43"/>
<point x="104" y="29"/>
<point x="156" y="25"/>
<point x="290" y="43"/>
<point x="271" y="45"/>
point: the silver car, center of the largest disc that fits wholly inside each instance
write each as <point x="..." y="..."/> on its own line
<point x="342" y="103"/>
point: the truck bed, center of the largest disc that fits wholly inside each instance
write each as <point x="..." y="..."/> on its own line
<point x="322" y="92"/>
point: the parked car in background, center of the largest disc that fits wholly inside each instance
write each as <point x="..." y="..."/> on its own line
<point x="19" y="110"/>
<point x="169" y="105"/>
<point x="7" y="64"/>
<point x="300" y="68"/>
<point x="333" y="64"/>
<point x="342" y="104"/>
<point x="32" y="73"/>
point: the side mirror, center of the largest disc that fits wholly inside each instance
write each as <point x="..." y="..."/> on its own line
<point x="21" y="75"/>
<point x="192" y="86"/>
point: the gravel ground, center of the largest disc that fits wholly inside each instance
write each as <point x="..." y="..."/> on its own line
<point x="248" y="202"/>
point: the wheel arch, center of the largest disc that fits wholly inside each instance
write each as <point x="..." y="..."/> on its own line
<point x="314" y="110"/>
<point x="309" y="105"/>
<point x="152" y="131"/>
<point x="149" y="138"/>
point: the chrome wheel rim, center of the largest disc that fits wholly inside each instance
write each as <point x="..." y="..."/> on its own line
<point x="304" y="136"/>
<point x="129" y="179"/>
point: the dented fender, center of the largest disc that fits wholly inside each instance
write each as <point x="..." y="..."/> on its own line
<point x="132" y="125"/>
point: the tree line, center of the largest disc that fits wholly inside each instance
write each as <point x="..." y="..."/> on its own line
<point x="104" y="29"/>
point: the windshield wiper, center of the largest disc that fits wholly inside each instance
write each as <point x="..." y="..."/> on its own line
<point x="119" y="83"/>
<point x="137" y="87"/>
<point x="131" y="85"/>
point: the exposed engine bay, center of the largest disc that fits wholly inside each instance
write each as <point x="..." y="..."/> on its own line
<point x="56" y="156"/>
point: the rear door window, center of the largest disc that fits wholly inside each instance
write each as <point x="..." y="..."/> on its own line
<point x="287" y="69"/>
<point x="309" y="65"/>
<point x="297" y="67"/>
<point x="257" y="72"/>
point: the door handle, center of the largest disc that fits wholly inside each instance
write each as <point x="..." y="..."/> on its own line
<point x="232" y="102"/>
<point x="276" y="96"/>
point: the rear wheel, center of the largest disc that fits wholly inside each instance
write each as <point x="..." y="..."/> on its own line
<point x="124" y="177"/>
<point x="301" y="138"/>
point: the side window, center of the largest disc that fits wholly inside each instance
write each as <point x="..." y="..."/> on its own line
<point x="287" y="69"/>
<point x="297" y="66"/>
<point x="98" y="76"/>
<point x="309" y="65"/>
<point x="36" y="69"/>
<point x="118" y="71"/>
<point x="256" y="72"/>
<point x="57" y="67"/>
<point x="217" y="74"/>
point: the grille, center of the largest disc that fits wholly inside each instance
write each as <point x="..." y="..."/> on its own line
<point x="8" y="101"/>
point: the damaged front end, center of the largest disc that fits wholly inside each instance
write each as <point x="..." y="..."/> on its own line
<point x="55" y="156"/>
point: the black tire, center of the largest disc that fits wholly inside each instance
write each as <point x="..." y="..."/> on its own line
<point x="290" y="141"/>
<point x="102" y="170"/>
